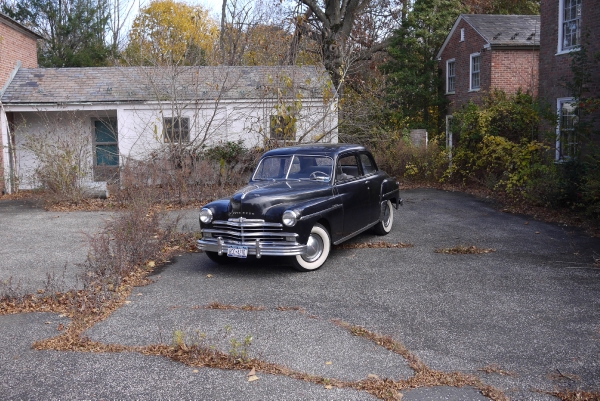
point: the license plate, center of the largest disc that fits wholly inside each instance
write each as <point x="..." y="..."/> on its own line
<point x="237" y="251"/>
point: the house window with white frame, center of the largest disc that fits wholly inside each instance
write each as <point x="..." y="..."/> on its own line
<point x="566" y="135"/>
<point x="569" y="35"/>
<point x="176" y="129"/>
<point x="450" y="75"/>
<point x="475" y="71"/>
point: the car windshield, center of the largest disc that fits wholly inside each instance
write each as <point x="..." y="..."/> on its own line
<point x="294" y="167"/>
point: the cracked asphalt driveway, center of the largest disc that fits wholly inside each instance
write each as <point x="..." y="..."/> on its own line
<point x="524" y="319"/>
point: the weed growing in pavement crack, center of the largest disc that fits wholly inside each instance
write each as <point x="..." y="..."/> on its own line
<point x="424" y="376"/>
<point x="493" y="368"/>
<point x="377" y="245"/>
<point x="199" y="342"/>
<point x="464" y="250"/>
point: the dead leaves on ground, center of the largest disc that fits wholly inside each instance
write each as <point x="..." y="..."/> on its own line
<point x="218" y="305"/>
<point x="464" y="250"/>
<point x="424" y="376"/>
<point x="493" y="368"/>
<point x="375" y="245"/>
<point x="577" y="395"/>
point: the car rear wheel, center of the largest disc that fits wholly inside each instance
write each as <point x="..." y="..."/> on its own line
<point x="220" y="259"/>
<point x="387" y="219"/>
<point x="318" y="247"/>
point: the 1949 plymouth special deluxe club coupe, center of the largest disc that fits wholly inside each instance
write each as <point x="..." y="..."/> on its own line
<point x="299" y="201"/>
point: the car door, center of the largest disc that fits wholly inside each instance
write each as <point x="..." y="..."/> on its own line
<point x="352" y="185"/>
<point x="373" y="183"/>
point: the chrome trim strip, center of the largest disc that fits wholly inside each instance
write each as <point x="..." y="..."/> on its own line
<point x="391" y="192"/>
<point x="308" y="216"/>
<point x="248" y="233"/>
<point x="263" y="248"/>
<point x="355" y="233"/>
<point x="235" y="222"/>
<point x="220" y="246"/>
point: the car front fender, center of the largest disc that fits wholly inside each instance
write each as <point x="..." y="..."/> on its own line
<point x="328" y="209"/>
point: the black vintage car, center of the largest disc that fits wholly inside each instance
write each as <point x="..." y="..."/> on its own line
<point x="298" y="202"/>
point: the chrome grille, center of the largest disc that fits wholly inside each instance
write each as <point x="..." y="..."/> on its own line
<point x="246" y="230"/>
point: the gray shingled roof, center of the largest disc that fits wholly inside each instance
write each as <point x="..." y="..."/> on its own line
<point x="506" y="30"/>
<point x="139" y="84"/>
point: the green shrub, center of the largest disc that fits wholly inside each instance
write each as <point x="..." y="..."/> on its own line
<point x="496" y="144"/>
<point x="590" y="183"/>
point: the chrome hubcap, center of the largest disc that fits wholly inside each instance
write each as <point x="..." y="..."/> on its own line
<point x="314" y="248"/>
<point x="386" y="215"/>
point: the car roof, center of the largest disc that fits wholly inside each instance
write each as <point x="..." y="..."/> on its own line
<point x="325" y="149"/>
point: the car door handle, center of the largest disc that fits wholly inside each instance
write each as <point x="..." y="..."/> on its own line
<point x="366" y="182"/>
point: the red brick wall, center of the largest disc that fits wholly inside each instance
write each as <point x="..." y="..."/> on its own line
<point x="555" y="69"/>
<point x="461" y="52"/>
<point x="14" y="46"/>
<point x="515" y="69"/>
<point x="507" y="70"/>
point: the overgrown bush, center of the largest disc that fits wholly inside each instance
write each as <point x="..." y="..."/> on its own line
<point x="130" y="240"/>
<point x="496" y="144"/>
<point x="515" y="117"/>
<point x="400" y="158"/>
<point x="182" y="176"/>
<point x="63" y="160"/>
<point x="590" y="183"/>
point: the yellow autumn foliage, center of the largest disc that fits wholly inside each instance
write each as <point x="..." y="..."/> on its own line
<point x="169" y="32"/>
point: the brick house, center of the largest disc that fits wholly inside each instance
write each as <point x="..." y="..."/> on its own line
<point x="484" y="52"/>
<point x="18" y="47"/>
<point x="565" y="26"/>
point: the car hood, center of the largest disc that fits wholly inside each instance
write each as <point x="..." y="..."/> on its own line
<point x="256" y="199"/>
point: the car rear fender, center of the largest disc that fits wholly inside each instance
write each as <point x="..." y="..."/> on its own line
<point x="390" y="191"/>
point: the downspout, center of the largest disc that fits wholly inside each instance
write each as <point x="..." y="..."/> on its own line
<point x="12" y="152"/>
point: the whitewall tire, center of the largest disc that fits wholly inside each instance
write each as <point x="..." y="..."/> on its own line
<point x="318" y="247"/>
<point x="387" y="219"/>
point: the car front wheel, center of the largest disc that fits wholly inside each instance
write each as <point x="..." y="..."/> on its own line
<point x="318" y="247"/>
<point x="387" y="219"/>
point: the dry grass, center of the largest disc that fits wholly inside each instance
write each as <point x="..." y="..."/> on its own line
<point x="464" y="250"/>
<point x="577" y="395"/>
<point x="493" y="368"/>
<point x="220" y="306"/>
<point x="291" y="308"/>
<point x="424" y="376"/>
<point x="376" y="245"/>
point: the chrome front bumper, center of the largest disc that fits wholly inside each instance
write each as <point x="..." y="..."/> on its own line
<point x="256" y="247"/>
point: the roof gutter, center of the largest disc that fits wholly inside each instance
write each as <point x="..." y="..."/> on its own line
<point x="515" y="47"/>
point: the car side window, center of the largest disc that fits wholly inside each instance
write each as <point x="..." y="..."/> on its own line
<point x="368" y="164"/>
<point x="347" y="168"/>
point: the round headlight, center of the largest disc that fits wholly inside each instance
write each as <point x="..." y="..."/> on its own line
<point x="289" y="218"/>
<point x="206" y="215"/>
